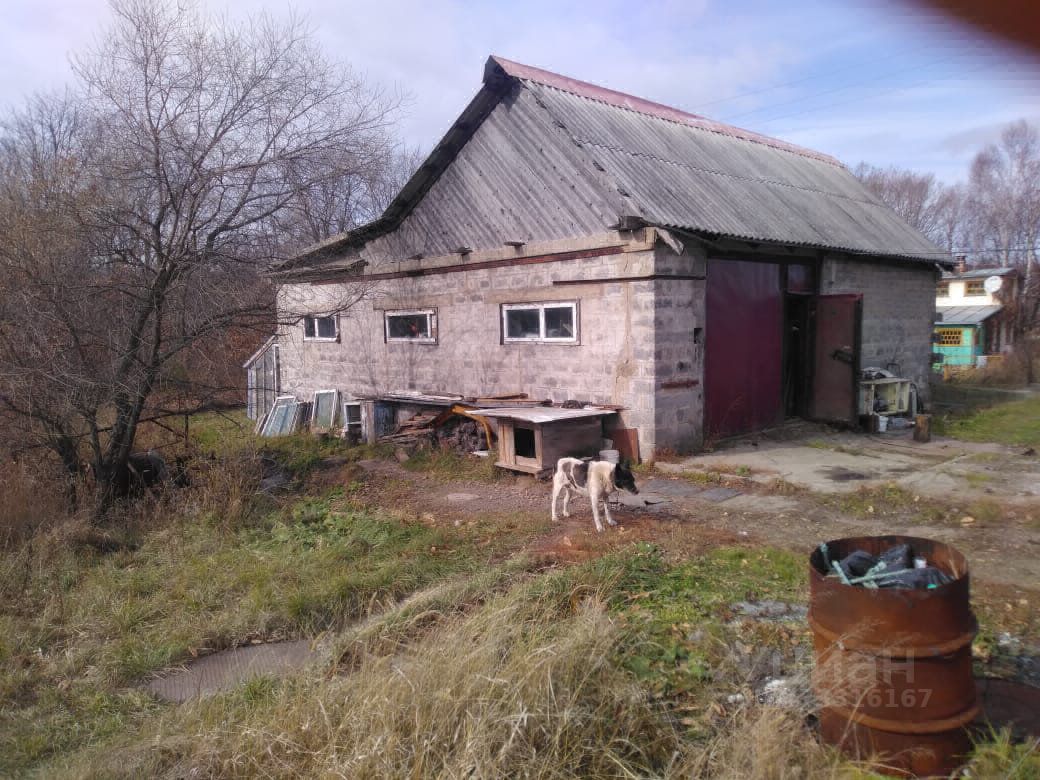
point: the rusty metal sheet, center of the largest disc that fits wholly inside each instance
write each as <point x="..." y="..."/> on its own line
<point x="836" y="327"/>
<point x="893" y="672"/>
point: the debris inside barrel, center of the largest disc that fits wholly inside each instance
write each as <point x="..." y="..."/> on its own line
<point x="896" y="567"/>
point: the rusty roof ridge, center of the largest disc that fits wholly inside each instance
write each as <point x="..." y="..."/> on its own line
<point x="638" y="105"/>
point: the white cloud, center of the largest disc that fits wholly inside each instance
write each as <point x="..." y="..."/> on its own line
<point x="796" y="59"/>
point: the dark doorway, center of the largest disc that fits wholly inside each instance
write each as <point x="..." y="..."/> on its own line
<point x="797" y="354"/>
<point x="523" y="442"/>
<point x="743" y="361"/>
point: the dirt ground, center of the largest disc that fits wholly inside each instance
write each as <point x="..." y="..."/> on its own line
<point x="792" y="494"/>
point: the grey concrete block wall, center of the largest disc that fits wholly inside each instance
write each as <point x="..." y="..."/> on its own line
<point x="679" y="350"/>
<point x="614" y="362"/>
<point x="641" y="342"/>
<point x="898" y="313"/>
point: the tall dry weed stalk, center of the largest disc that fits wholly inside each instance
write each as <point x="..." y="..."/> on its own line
<point x="33" y="500"/>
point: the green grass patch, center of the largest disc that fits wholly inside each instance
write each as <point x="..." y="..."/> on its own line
<point x="448" y="465"/>
<point x="221" y="433"/>
<point x="1016" y="423"/>
<point x="997" y="755"/>
<point x="85" y="627"/>
<point x="678" y="616"/>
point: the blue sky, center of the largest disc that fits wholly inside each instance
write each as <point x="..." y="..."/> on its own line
<point x="874" y="81"/>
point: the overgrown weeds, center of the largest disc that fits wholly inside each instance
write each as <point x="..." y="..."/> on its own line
<point x="523" y="687"/>
<point x="447" y="465"/>
<point x="85" y="625"/>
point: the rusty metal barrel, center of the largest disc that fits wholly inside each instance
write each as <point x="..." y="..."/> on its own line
<point x="893" y="670"/>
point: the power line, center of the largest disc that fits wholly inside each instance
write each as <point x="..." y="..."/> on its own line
<point x="809" y="110"/>
<point x="772" y="87"/>
<point x="833" y="90"/>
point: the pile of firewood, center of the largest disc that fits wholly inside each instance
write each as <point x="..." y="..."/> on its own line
<point x="416" y="431"/>
<point x="429" y="430"/>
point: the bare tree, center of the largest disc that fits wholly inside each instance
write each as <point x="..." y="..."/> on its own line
<point x="1005" y="191"/>
<point x="142" y="209"/>
<point x="913" y="196"/>
<point x="356" y="191"/>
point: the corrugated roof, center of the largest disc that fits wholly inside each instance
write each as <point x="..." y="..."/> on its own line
<point x="704" y="179"/>
<point x="621" y="156"/>
<point x="964" y="315"/>
<point x="979" y="273"/>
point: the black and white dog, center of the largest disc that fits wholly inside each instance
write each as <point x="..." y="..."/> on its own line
<point x="596" y="479"/>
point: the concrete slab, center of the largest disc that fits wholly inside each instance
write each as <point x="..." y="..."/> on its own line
<point x="229" y="668"/>
<point x="676" y="488"/>
<point x="846" y="462"/>
<point x="718" y="495"/>
<point x="645" y="498"/>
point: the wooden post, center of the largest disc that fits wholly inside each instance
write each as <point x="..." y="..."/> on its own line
<point x="923" y="428"/>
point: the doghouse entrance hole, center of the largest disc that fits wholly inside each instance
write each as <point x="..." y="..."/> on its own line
<point x="523" y="442"/>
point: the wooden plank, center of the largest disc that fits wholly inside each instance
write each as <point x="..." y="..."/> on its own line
<point x="506" y="451"/>
<point x="626" y="442"/>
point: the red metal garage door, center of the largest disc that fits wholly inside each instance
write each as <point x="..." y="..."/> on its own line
<point x="743" y="347"/>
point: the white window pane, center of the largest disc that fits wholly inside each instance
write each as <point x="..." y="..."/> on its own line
<point x="559" y="322"/>
<point x="522" y="324"/>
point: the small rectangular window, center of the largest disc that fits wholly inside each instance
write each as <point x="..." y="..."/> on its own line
<point x="949" y="337"/>
<point x="419" y="325"/>
<point x="319" y="328"/>
<point x="974" y="288"/>
<point x="548" y="322"/>
<point x="943" y="290"/>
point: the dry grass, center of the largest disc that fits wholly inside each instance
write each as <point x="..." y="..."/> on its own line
<point x="619" y="667"/>
<point x="520" y="683"/>
<point x="197" y="571"/>
<point x="524" y="687"/>
<point x="30" y="503"/>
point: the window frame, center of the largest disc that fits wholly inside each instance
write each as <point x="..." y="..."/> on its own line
<point x="942" y="290"/>
<point x="941" y="332"/>
<point x="975" y="288"/>
<point x="292" y="417"/>
<point x="315" y="318"/>
<point x="432" y="326"/>
<point x="353" y="425"/>
<point x="253" y="387"/>
<point x="541" y="306"/>
<point x="314" y="410"/>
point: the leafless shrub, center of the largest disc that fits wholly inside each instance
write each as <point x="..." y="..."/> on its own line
<point x="30" y="503"/>
<point x="137" y="211"/>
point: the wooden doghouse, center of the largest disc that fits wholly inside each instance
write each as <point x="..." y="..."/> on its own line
<point x="531" y="439"/>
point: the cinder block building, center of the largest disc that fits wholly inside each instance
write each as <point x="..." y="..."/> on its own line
<point x="575" y="243"/>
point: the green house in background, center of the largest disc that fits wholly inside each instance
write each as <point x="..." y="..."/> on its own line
<point x="963" y="334"/>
